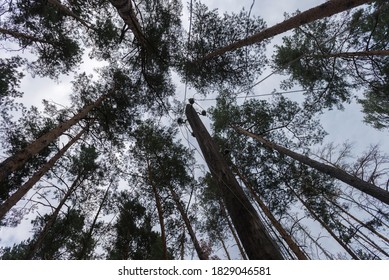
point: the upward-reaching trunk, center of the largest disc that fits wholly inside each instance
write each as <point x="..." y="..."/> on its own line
<point x="37" y="243"/>
<point x="199" y="250"/>
<point x="85" y="246"/>
<point x="65" y="10"/>
<point x="160" y="213"/>
<point x="16" y="196"/>
<point x="23" y="36"/>
<point x="288" y="239"/>
<point x="323" y="224"/>
<point x="326" y="9"/>
<point x="19" y="159"/>
<point x="126" y="11"/>
<point x="340" y="174"/>
<point x="255" y="238"/>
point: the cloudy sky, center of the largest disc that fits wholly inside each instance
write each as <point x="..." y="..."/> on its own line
<point x="341" y="125"/>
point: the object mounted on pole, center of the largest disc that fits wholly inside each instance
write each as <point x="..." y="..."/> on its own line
<point x="253" y="234"/>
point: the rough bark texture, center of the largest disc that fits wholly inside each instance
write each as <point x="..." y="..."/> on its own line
<point x="16" y="196"/>
<point x="253" y="234"/>
<point x="340" y="174"/>
<point x="126" y="11"/>
<point x="326" y="9"/>
<point x="19" y="159"/>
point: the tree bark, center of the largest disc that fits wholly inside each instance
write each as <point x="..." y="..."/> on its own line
<point x="199" y="250"/>
<point x="16" y="196"/>
<point x="232" y="229"/>
<point x="254" y="236"/>
<point x="126" y="11"/>
<point x="70" y="13"/>
<point x="34" y="247"/>
<point x="160" y="213"/>
<point x="329" y="230"/>
<point x="23" y="36"/>
<point x="17" y="160"/>
<point x="326" y="9"/>
<point x="288" y="239"/>
<point x="340" y="174"/>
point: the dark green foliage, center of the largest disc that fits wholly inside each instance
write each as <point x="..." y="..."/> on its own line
<point x="61" y="240"/>
<point x="135" y="239"/>
<point x="211" y="31"/>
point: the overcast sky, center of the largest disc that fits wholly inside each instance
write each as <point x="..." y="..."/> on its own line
<point x="341" y="125"/>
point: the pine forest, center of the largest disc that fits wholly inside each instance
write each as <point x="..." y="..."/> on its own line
<point x="148" y="130"/>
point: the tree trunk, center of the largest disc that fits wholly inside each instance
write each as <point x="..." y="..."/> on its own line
<point x="65" y="10"/>
<point x="288" y="239"/>
<point x="19" y="159"/>
<point x="37" y="243"/>
<point x="88" y="237"/>
<point x="224" y="248"/>
<point x="329" y="230"/>
<point x="126" y="11"/>
<point x="23" y="36"/>
<point x="16" y="196"/>
<point x="254" y="236"/>
<point x="160" y="213"/>
<point x="232" y="229"/>
<point x="326" y="9"/>
<point x="199" y="250"/>
<point x="353" y="54"/>
<point x="340" y="174"/>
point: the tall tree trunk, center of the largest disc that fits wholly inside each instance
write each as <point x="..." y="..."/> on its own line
<point x="256" y="241"/>
<point x="232" y="229"/>
<point x="23" y="36"/>
<point x="329" y="230"/>
<point x="311" y="238"/>
<point x="126" y="11"/>
<point x="37" y="243"/>
<point x="353" y="54"/>
<point x="340" y="174"/>
<point x="65" y="10"/>
<point x="16" y="196"/>
<point x="288" y="239"/>
<point x="326" y="9"/>
<point x="224" y="247"/>
<point x="82" y="255"/>
<point x="199" y="250"/>
<point x="160" y="212"/>
<point x="17" y="160"/>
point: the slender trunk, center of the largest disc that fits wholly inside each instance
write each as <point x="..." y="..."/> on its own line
<point x="126" y="11"/>
<point x="19" y="159"/>
<point x="288" y="239"/>
<point x="85" y="244"/>
<point x="65" y="10"/>
<point x="340" y="174"/>
<point x="353" y="54"/>
<point x="23" y="36"/>
<point x="160" y="213"/>
<point x="256" y="241"/>
<point x="16" y="196"/>
<point x="357" y="220"/>
<point x="199" y="250"/>
<point x="326" y="9"/>
<point x="233" y="232"/>
<point x="317" y="218"/>
<point x="37" y="243"/>
<point x="311" y="238"/>
<point x="224" y="247"/>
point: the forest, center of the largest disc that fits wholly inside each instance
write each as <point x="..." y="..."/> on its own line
<point x="171" y="150"/>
